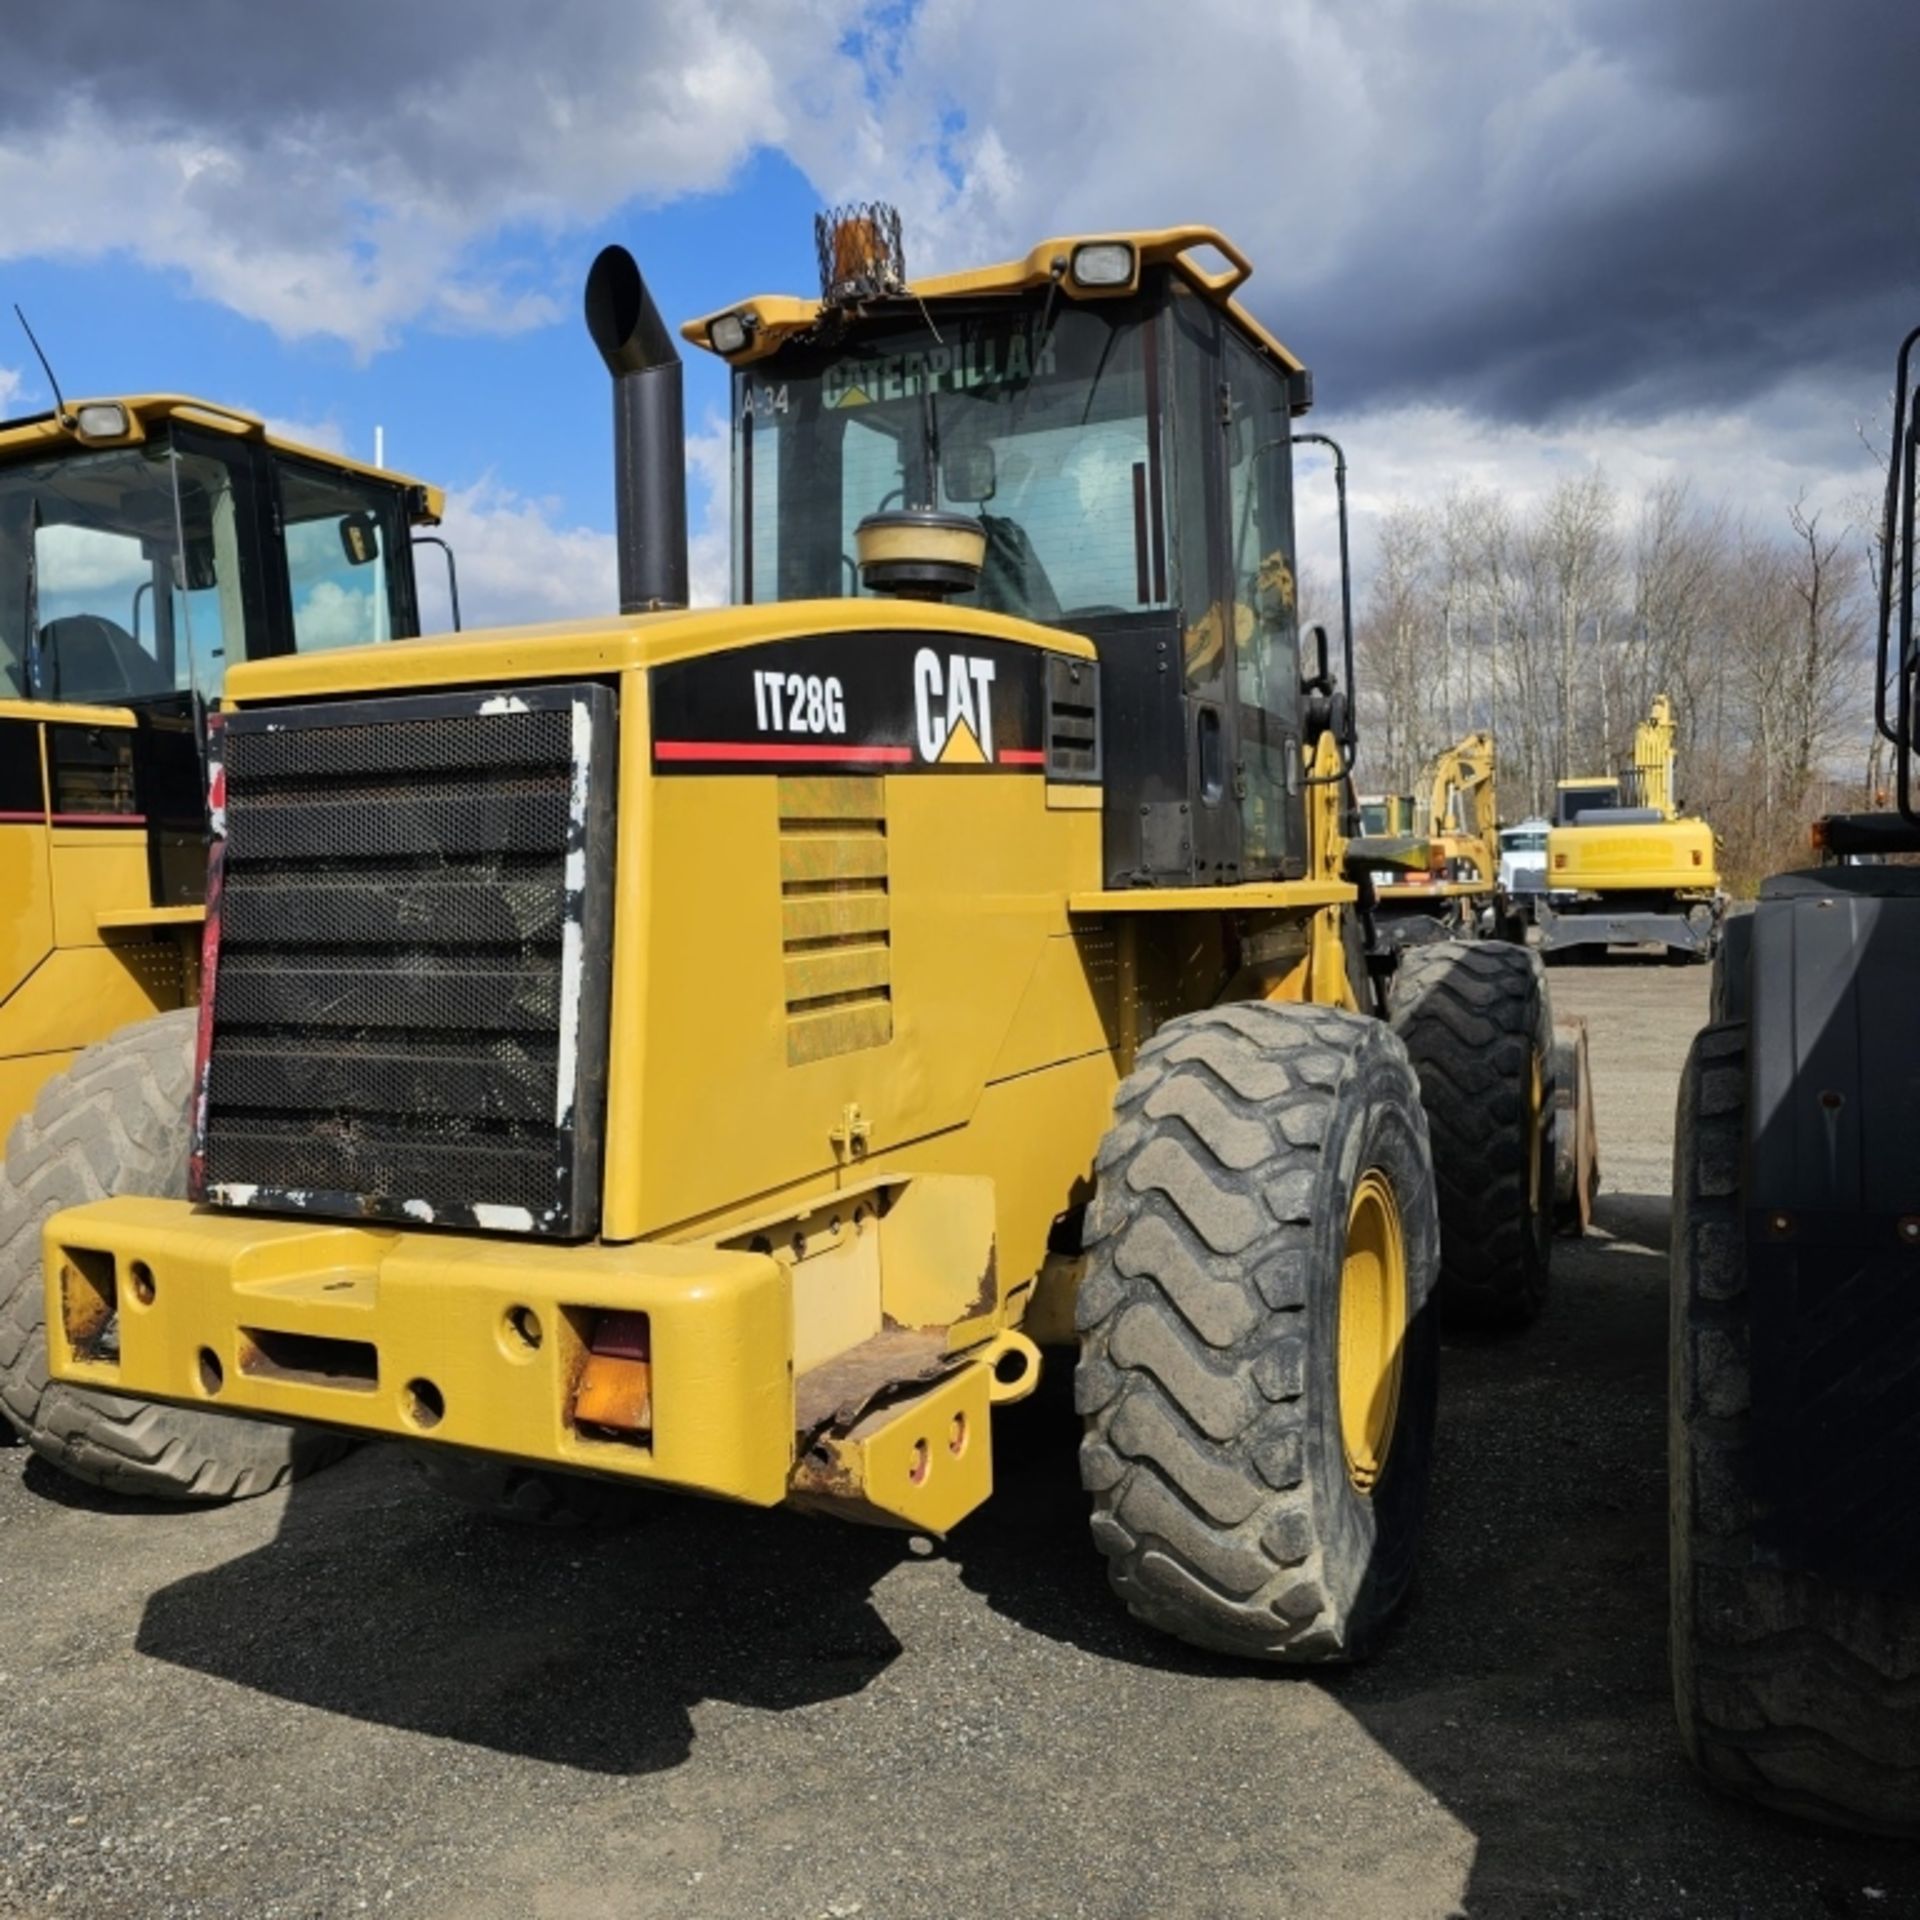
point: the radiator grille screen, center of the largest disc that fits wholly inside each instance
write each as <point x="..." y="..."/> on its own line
<point x="411" y="916"/>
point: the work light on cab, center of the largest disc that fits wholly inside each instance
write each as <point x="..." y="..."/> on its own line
<point x="1103" y="263"/>
<point x="731" y="332"/>
<point x="101" y="420"/>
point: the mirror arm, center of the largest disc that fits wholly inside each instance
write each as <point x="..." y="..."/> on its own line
<point x="1350" y="727"/>
<point x="453" y="577"/>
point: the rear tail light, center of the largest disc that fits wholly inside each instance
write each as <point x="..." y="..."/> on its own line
<point x="616" y="1382"/>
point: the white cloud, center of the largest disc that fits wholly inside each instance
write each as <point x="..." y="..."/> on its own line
<point x="12" y="385"/>
<point x="326" y="436"/>
<point x="84" y="560"/>
<point x="330" y="615"/>
<point x="709" y="545"/>
<point x="518" y="562"/>
<point x="1800" y="444"/>
<point x="354" y="217"/>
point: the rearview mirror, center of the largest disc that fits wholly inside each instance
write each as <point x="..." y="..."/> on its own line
<point x="969" y="474"/>
<point x="359" y="538"/>
<point x="1320" y="680"/>
<point x="193" y="569"/>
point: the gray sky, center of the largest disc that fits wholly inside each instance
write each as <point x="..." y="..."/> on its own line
<point x="1511" y="236"/>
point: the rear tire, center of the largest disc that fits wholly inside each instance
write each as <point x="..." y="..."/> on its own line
<point x="116" y="1123"/>
<point x="1791" y="1691"/>
<point x="1478" y="1026"/>
<point x="1210" y="1326"/>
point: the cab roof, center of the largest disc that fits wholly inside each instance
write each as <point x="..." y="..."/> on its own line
<point x="39" y="434"/>
<point x="779" y="317"/>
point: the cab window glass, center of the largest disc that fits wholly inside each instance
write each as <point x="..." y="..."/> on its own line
<point x="123" y="573"/>
<point x="342" y="535"/>
<point x="1033" y="417"/>
<point x="1266" y="639"/>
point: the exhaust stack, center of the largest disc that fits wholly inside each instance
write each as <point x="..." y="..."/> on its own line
<point x="649" y="434"/>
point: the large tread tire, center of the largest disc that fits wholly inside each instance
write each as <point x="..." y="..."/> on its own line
<point x="1791" y="1691"/>
<point x="117" y="1123"/>
<point x="1477" y="1021"/>
<point x="1209" y="1322"/>
<point x="522" y="1496"/>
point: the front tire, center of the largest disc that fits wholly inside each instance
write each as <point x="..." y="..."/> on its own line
<point x="1263" y="1235"/>
<point x="1791" y="1690"/>
<point x="1478" y="1027"/>
<point x="116" y="1123"/>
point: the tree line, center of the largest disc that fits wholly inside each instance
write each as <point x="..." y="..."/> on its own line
<point x="1556" y="623"/>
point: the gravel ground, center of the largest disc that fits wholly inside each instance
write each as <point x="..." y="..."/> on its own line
<point x="355" y="1699"/>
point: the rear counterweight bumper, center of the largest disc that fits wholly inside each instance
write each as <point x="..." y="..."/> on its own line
<point x="436" y="1337"/>
<point x="1599" y="928"/>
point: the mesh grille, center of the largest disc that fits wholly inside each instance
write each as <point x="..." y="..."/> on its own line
<point x="394" y="1022"/>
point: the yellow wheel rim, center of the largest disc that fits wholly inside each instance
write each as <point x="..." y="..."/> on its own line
<point x="1536" y="1138"/>
<point x="1373" y="1327"/>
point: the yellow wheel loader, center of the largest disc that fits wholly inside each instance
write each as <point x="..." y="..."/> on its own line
<point x="1624" y="866"/>
<point x="727" y="1051"/>
<point x="1436" y="874"/>
<point x="146" y="545"/>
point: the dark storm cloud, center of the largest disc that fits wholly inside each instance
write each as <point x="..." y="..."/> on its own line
<point x="1735" y="205"/>
<point x="1540" y="209"/>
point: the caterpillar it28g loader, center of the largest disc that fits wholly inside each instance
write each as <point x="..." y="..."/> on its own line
<point x="718" y="1050"/>
<point x="146" y="545"/>
<point x="1796" y="1301"/>
<point x="1624" y="866"/>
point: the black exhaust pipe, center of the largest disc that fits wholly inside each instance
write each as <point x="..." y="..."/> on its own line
<point x="649" y="434"/>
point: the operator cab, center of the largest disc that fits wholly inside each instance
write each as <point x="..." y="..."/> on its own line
<point x="1572" y="798"/>
<point x="1119" y="431"/>
<point x="146" y="546"/>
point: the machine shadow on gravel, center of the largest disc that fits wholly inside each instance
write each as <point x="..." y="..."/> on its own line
<point x="380" y="1601"/>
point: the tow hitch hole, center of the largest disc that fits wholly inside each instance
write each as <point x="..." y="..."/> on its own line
<point x="213" y="1376"/>
<point x="423" y="1404"/>
<point x="917" y="1462"/>
<point x="523" y="1333"/>
<point x="957" y="1436"/>
<point x="1010" y="1366"/>
<point x="140" y="1282"/>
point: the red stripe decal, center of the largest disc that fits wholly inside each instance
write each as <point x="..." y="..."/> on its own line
<point x="776" y="750"/>
<point x="11" y="819"/>
<point x="99" y="819"/>
<point x="1023" y="757"/>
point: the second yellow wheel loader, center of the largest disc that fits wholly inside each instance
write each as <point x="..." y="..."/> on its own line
<point x="730" y="1050"/>
<point x="147" y="544"/>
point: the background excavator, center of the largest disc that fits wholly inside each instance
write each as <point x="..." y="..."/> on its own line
<point x="1625" y="867"/>
<point x="1435" y="855"/>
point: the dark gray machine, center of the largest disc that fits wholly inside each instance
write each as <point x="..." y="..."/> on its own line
<point x="1796" y="1300"/>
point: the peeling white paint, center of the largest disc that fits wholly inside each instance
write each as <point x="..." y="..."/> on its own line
<point x="504" y="703"/>
<point x="502" y="1219"/>
<point x="570" y="934"/>
<point x="419" y="1210"/>
<point x="235" y="1194"/>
